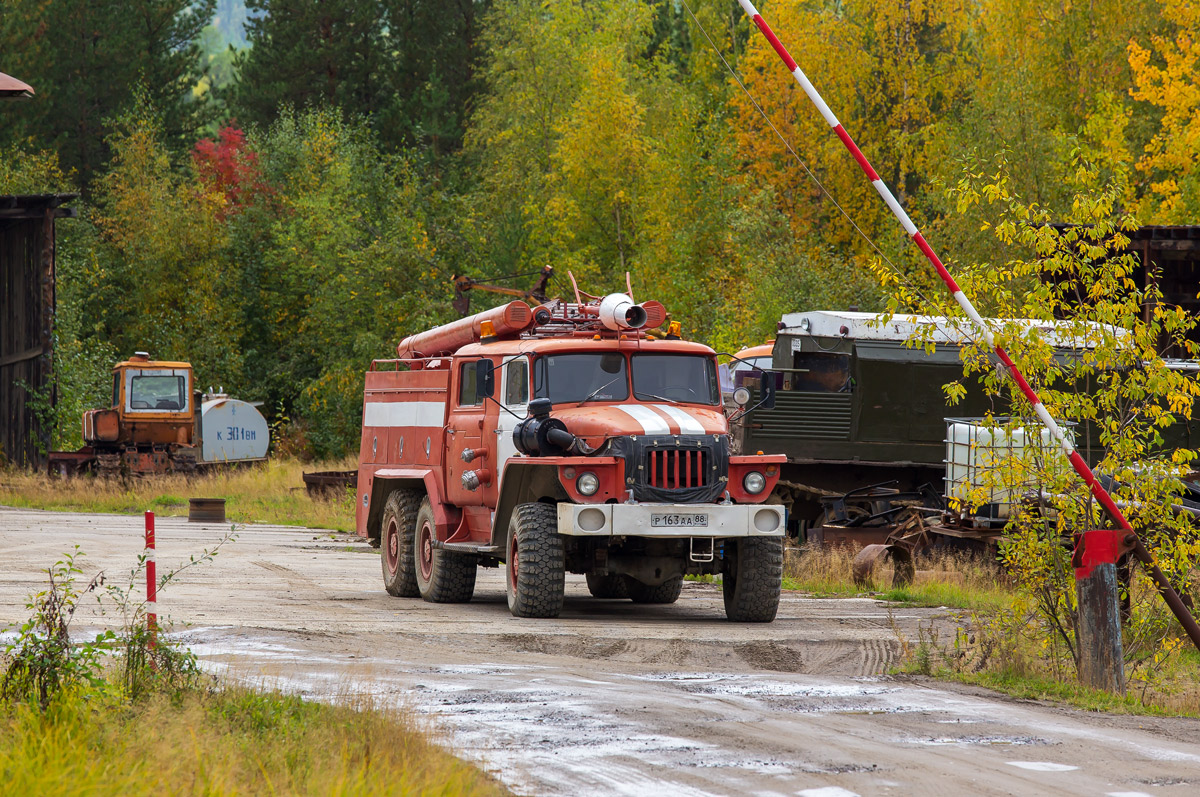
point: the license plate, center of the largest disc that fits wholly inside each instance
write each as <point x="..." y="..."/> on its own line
<point x="678" y="520"/>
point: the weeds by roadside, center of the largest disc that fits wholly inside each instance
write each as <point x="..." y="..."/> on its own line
<point x="998" y="651"/>
<point x="129" y="712"/>
<point x="272" y="492"/>
<point x="227" y="740"/>
<point x="943" y="578"/>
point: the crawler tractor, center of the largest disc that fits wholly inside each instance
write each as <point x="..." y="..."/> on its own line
<point x="158" y="424"/>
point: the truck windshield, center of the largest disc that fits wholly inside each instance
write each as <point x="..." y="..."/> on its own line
<point x="675" y="377"/>
<point x="157" y="393"/>
<point x="567" y="378"/>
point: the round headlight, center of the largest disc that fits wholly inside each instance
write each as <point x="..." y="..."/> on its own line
<point x="741" y="396"/>
<point x="588" y="483"/>
<point x="754" y="482"/>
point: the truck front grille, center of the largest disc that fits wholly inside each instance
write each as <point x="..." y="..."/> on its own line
<point x="678" y="469"/>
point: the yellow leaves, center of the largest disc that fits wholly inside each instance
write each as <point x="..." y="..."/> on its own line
<point x="1167" y="75"/>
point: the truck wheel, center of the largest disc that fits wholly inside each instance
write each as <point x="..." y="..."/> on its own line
<point x="666" y="592"/>
<point x="396" y="542"/>
<point x="442" y="576"/>
<point x="610" y="586"/>
<point x="752" y="578"/>
<point x="536" y="565"/>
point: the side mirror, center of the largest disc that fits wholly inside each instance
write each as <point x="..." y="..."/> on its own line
<point x="485" y="378"/>
<point x="767" y="381"/>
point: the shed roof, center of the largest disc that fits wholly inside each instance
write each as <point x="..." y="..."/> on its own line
<point x="34" y="206"/>
<point x="11" y="88"/>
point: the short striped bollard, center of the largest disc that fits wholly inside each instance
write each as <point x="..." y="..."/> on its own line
<point x="151" y="582"/>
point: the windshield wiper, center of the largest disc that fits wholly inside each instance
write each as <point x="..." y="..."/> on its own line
<point x="593" y="394"/>
<point x="655" y="397"/>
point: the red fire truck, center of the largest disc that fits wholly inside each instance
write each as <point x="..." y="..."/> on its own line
<point x="570" y="437"/>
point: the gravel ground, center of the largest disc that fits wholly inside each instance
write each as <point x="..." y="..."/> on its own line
<point x="612" y="698"/>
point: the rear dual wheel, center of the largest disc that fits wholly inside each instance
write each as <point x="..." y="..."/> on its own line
<point x="442" y="576"/>
<point x="396" y="543"/>
<point x="412" y="566"/>
<point x="611" y="586"/>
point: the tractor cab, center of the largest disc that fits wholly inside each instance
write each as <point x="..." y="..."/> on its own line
<point x="143" y="388"/>
<point x="152" y="404"/>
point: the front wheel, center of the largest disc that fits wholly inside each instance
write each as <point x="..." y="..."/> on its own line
<point x="536" y="565"/>
<point x="752" y="578"/>
<point x="442" y="576"/>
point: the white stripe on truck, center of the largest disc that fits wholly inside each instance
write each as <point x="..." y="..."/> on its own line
<point x="684" y="419"/>
<point x="404" y="413"/>
<point x="651" y="422"/>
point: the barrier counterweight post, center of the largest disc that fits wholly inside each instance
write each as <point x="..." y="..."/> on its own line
<point x="1097" y="490"/>
<point x="151" y="582"/>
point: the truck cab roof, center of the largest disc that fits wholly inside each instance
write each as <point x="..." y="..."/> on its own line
<point x="579" y="345"/>
<point x="939" y="329"/>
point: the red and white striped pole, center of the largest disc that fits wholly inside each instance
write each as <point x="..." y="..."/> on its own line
<point x="151" y="582"/>
<point x="912" y="232"/>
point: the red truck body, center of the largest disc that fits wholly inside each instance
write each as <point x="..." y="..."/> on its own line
<point x="528" y="430"/>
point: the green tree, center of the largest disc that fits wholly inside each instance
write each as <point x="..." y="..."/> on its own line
<point x="84" y="56"/>
<point x="405" y="65"/>
<point x="1128" y="404"/>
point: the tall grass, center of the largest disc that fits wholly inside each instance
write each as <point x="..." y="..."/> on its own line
<point x="224" y="741"/>
<point x="943" y="578"/>
<point x="272" y="492"/>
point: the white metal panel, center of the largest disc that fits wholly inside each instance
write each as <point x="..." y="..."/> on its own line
<point x="232" y="431"/>
<point x="404" y="413"/>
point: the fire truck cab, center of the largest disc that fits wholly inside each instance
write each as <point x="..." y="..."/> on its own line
<point x="563" y="439"/>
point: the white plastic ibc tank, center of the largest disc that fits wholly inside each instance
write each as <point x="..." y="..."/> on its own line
<point x="232" y="431"/>
<point x="977" y="458"/>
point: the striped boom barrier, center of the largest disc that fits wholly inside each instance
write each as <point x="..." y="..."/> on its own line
<point x="913" y="233"/>
<point x="151" y="582"/>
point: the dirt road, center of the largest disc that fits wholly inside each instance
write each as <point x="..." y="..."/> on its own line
<point x="613" y="698"/>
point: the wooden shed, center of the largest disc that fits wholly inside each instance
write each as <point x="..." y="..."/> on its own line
<point x="27" y="305"/>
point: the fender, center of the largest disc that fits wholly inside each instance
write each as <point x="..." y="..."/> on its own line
<point x="384" y="480"/>
<point x="526" y="479"/>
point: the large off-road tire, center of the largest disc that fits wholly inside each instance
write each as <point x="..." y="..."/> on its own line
<point x="536" y="563"/>
<point x="666" y="592"/>
<point x="442" y="576"/>
<point x="396" y="543"/>
<point x="752" y="578"/>
<point x="610" y="586"/>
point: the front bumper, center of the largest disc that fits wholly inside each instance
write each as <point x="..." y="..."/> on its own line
<point x="639" y="520"/>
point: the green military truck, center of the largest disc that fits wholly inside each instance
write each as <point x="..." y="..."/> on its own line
<point x="855" y="406"/>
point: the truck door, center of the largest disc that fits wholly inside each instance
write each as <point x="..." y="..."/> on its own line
<point x="464" y="430"/>
<point x="514" y="395"/>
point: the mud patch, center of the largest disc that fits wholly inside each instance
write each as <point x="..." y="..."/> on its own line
<point x="770" y="655"/>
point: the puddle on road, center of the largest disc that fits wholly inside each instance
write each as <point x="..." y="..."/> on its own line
<point x="967" y="741"/>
